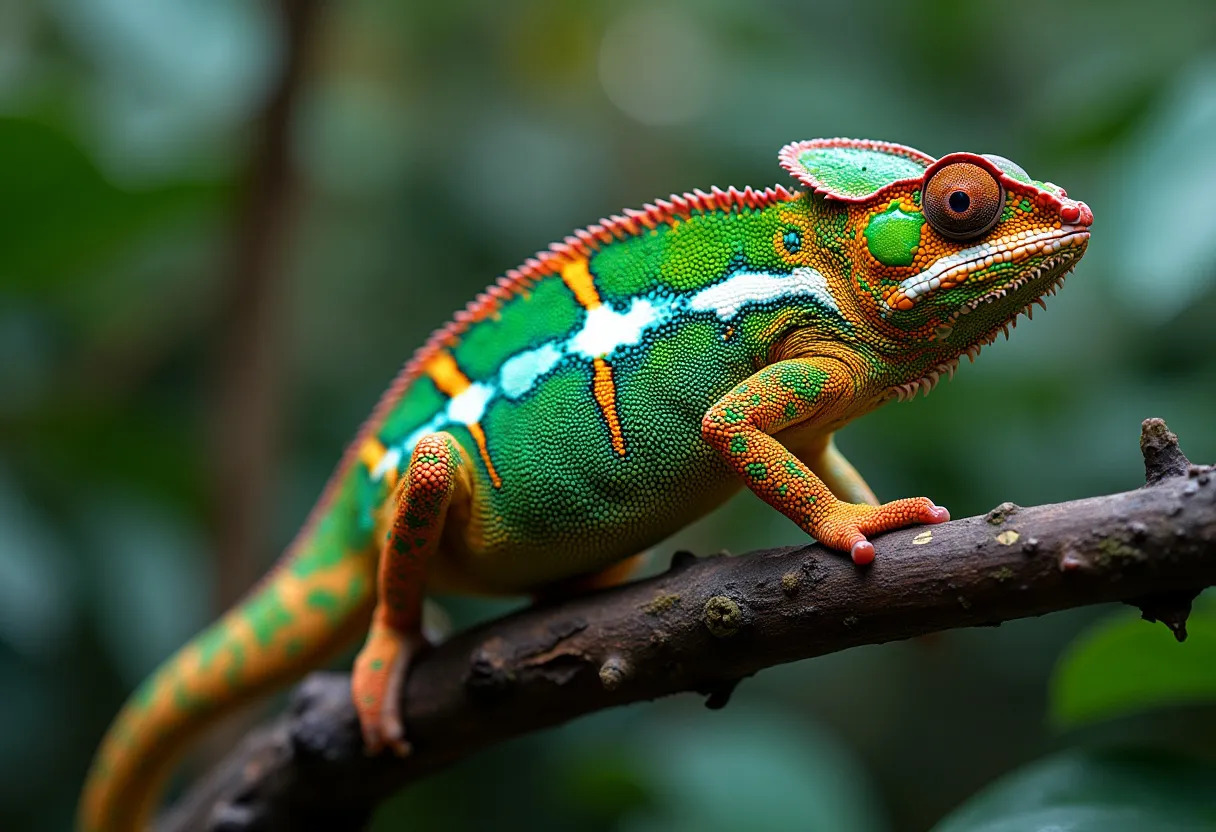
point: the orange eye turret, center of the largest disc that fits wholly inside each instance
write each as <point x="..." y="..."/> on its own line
<point x="962" y="201"/>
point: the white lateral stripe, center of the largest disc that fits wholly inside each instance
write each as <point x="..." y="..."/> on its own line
<point x="605" y="330"/>
<point x="470" y="404"/>
<point x="742" y="289"/>
<point x="522" y="370"/>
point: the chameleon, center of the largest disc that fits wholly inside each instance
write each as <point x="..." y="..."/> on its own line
<point x="610" y="390"/>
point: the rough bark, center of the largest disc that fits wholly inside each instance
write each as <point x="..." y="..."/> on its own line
<point x="709" y="622"/>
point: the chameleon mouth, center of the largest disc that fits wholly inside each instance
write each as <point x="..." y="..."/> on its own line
<point x="1051" y="272"/>
<point x="1067" y="242"/>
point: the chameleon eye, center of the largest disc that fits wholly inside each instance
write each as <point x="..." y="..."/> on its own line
<point x="962" y="200"/>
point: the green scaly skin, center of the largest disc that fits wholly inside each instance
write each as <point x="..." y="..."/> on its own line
<point x="610" y="391"/>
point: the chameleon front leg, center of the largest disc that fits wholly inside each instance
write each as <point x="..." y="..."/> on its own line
<point x="784" y="394"/>
<point x="420" y="504"/>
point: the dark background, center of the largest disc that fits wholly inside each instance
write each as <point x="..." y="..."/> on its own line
<point x="207" y="276"/>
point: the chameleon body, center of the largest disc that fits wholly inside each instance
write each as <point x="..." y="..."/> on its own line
<point x="611" y="390"/>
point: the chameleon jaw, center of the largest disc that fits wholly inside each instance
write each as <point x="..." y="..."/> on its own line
<point x="954" y="270"/>
<point x="925" y="384"/>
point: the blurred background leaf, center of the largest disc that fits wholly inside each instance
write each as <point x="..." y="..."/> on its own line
<point x="1118" y="667"/>
<point x="1095" y="791"/>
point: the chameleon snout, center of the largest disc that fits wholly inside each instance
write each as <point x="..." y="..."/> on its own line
<point x="1076" y="213"/>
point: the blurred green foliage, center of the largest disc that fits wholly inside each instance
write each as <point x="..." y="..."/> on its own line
<point x="1111" y="790"/>
<point x="440" y="144"/>
<point x="1118" y="667"/>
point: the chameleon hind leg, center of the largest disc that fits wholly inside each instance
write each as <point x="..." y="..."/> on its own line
<point x="837" y="473"/>
<point x="800" y="392"/>
<point x="419" y="507"/>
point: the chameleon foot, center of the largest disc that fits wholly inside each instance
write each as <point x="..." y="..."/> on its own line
<point x="847" y="525"/>
<point x="376" y="682"/>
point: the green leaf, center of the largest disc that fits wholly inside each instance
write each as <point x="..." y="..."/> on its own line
<point x="1123" y="665"/>
<point x="1095" y="791"/>
<point x="60" y="218"/>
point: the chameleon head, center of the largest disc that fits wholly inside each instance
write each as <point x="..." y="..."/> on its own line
<point x="948" y="251"/>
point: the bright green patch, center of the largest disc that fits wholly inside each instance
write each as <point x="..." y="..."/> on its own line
<point x="321" y="553"/>
<point x="806" y="382"/>
<point x="757" y="470"/>
<point x="419" y="404"/>
<point x="210" y="643"/>
<point x="892" y="235"/>
<point x="326" y="602"/>
<point x="547" y="312"/>
<point x="692" y="253"/>
<point x="216" y="640"/>
<point x="738" y="444"/>
<point x="266" y="615"/>
<point x="857" y="172"/>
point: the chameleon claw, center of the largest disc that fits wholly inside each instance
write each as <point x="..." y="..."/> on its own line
<point x="865" y="520"/>
<point x="862" y="553"/>
<point x="939" y="514"/>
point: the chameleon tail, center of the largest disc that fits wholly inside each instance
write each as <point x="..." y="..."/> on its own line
<point x="315" y="602"/>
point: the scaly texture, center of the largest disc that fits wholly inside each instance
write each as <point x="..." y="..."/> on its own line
<point x="613" y="389"/>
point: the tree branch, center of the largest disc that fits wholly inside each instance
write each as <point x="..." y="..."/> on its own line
<point x="246" y="361"/>
<point x="709" y="622"/>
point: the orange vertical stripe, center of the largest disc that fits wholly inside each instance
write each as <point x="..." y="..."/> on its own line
<point x="448" y="377"/>
<point x="578" y="280"/>
<point x="371" y="452"/>
<point x="479" y="436"/>
<point x="604" y="389"/>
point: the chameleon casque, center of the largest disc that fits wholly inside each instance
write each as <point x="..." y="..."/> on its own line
<point x="608" y="392"/>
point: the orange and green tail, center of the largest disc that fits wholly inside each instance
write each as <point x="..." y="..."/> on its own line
<point x="315" y="602"/>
